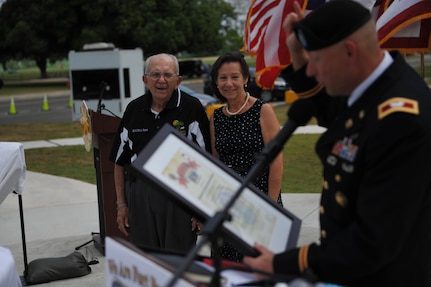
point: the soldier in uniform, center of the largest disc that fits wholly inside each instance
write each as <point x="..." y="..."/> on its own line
<point x="375" y="212"/>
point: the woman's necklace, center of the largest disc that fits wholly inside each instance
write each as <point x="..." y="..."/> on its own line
<point x="240" y="109"/>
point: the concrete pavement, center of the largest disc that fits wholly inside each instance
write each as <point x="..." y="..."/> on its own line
<point x="61" y="213"/>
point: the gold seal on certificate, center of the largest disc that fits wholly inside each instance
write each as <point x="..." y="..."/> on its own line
<point x="86" y="126"/>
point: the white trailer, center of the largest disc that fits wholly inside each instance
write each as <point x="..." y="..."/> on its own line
<point x="110" y="76"/>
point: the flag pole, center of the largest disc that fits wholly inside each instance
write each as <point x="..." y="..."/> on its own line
<point x="423" y="65"/>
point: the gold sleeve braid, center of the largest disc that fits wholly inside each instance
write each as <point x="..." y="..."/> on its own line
<point x="310" y="93"/>
<point x="303" y="258"/>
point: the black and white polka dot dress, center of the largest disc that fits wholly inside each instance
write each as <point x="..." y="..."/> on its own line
<point x="238" y="139"/>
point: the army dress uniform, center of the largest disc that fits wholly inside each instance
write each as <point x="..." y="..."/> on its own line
<point x="375" y="211"/>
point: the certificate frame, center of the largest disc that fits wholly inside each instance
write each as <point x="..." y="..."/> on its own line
<point x="203" y="184"/>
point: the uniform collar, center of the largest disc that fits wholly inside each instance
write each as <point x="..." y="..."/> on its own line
<point x="359" y="90"/>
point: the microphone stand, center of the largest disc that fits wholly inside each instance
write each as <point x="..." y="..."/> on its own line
<point x="103" y="85"/>
<point x="96" y="158"/>
<point x="212" y="226"/>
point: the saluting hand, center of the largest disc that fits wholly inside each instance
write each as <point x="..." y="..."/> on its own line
<point x="297" y="53"/>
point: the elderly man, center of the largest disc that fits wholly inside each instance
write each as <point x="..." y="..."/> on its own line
<point x="375" y="212"/>
<point x="143" y="210"/>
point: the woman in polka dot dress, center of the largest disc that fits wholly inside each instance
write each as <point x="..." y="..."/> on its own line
<point x="241" y="129"/>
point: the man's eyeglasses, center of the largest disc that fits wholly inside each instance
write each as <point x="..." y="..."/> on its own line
<point x="157" y="75"/>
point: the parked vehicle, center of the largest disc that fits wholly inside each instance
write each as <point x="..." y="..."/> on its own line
<point x="191" y="68"/>
<point x="276" y="94"/>
<point x="210" y="103"/>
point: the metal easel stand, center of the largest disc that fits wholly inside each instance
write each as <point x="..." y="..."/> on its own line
<point x="24" y="244"/>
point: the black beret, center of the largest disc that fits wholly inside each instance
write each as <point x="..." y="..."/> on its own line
<point x="330" y="23"/>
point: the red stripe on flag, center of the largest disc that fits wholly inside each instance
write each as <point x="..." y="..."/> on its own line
<point x="258" y="19"/>
<point x="419" y="44"/>
<point x="264" y="38"/>
<point x="401" y="17"/>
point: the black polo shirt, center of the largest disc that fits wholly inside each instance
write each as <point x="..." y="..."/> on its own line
<point x="139" y="124"/>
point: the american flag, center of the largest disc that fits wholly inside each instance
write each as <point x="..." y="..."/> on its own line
<point x="404" y="25"/>
<point x="265" y="39"/>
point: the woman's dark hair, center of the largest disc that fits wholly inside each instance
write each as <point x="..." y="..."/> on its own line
<point x="229" y="57"/>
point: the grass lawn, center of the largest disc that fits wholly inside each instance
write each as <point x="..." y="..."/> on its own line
<point x="14" y="90"/>
<point x="69" y="161"/>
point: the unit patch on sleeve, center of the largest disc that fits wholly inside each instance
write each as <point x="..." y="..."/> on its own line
<point x="398" y="105"/>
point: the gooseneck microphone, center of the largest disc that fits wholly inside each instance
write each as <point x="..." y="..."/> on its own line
<point x="103" y="85"/>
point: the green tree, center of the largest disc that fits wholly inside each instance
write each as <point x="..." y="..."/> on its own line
<point x="38" y="29"/>
<point x="233" y="41"/>
<point x="172" y="25"/>
<point x="49" y="29"/>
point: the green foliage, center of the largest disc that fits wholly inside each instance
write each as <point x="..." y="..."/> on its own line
<point x="233" y="42"/>
<point x="49" y="29"/>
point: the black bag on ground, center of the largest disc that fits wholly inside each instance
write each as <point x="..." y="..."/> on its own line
<point x="50" y="269"/>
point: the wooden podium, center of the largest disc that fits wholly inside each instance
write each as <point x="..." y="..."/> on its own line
<point x="104" y="128"/>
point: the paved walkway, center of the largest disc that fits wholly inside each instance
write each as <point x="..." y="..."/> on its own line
<point x="61" y="213"/>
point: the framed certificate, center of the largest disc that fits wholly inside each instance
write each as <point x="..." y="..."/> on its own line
<point x="203" y="184"/>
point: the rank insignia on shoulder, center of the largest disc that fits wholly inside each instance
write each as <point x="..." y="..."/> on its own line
<point x="394" y="105"/>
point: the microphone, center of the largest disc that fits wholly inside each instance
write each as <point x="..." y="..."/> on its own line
<point x="299" y="114"/>
<point x="103" y="85"/>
